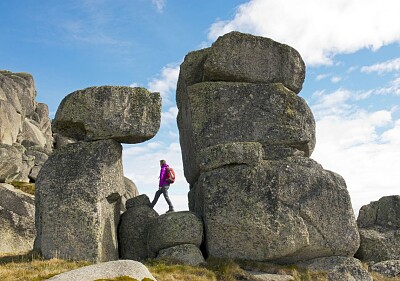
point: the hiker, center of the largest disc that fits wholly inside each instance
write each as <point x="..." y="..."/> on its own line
<point x="163" y="186"/>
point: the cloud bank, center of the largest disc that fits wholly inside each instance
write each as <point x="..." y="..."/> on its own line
<point x="317" y="29"/>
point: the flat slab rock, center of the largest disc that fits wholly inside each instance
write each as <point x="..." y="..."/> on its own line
<point x="125" y="114"/>
<point x="105" y="270"/>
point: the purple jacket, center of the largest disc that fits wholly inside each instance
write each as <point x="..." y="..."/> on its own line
<point x="163" y="175"/>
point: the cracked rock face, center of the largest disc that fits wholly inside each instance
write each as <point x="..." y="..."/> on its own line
<point x="24" y="127"/>
<point x="287" y="210"/>
<point x="246" y="137"/>
<point x="124" y="114"/>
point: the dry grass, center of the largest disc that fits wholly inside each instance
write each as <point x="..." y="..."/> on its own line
<point x="170" y="270"/>
<point x="379" y="277"/>
<point x="27" y="187"/>
<point x="32" y="267"/>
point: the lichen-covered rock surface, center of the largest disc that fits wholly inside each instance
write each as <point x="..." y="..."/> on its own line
<point x="246" y="138"/>
<point x="133" y="229"/>
<point x="173" y="229"/>
<point x="125" y="114"/>
<point x="284" y="211"/>
<point x="222" y="112"/>
<point x="78" y="197"/>
<point x="185" y="253"/>
<point x="256" y="60"/>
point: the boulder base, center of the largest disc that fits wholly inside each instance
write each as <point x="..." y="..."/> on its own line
<point x="282" y="211"/>
<point x="78" y="197"/>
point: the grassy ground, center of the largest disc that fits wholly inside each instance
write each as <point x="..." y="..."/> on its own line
<point x="33" y="268"/>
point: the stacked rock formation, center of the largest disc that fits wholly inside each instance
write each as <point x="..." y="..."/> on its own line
<point x="379" y="227"/>
<point x="143" y="234"/>
<point x="246" y="138"/>
<point x="25" y="144"/>
<point x="79" y="189"/>
<point x="25" y="130"/>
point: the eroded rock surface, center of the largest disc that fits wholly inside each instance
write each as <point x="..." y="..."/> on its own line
<point x="124" y="114"/>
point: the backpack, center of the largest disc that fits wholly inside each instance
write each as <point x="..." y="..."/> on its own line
<point x="170" y="175"/>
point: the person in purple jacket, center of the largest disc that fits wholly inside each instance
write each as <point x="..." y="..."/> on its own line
<point x="163" y="187"/>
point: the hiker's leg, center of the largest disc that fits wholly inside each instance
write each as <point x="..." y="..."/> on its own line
<point x="156" y="196"/>
<point x="165" y="193"/>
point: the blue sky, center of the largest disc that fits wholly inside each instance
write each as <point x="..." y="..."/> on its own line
<point x="351" y="49"/>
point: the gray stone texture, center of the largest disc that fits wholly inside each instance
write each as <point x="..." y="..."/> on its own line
<point x="339" y="268"/>
<point x="130" y="192"/>
<point x="284" y="211"/>
<point x="125" y="114"/>
<point x="173" y="229"/>
<point x="106" y="271"/>
<point x="220" y="155"/>
<point x="185" y="253"/>
<point x="246" y="138"/>
<point x="222" y="112"/>
<point x="390" y="268"/>
<point x="379" y="227"/>
<point x="10" y="163"/>
<point x="78" y="197"/>
<point x="17" y="220"/>
<point x="256" y="60"/>
<point x="24" y="123"/>
<point x="133" y="229"/>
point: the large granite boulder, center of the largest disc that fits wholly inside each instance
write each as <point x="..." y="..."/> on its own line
<point x="379" y="227"/>
<point x="222" y="112"/>
<point x="239" y="57"/>
<point x="133" y="270"/>
<point x="17" y="220"/>
<point x="257" y="60"/>
<point x="125" y="114"/>
<point x="133" y="228"/>
<point x="279" y="210"/>
<point x="78" y="197"/>
<point x="173" y="229"/>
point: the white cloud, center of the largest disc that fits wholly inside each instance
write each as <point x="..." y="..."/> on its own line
<point x="392" y="89"/>
<point x="392" y="136"/>
<point x="362" y="146"/>
<point x="336" y="79"/>
<point x="169" y="117"/>
<point x="159" y="5"/>
<point x="387" y="66"/>
<point x="318" y="29"/>
<point x="321" y="76"/>
<point x="166" y="83"/>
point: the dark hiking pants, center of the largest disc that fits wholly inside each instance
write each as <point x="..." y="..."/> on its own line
<point x="164" y="191"/>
